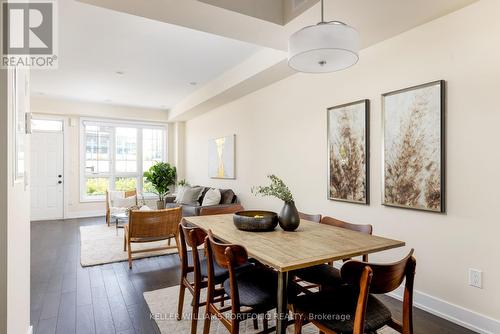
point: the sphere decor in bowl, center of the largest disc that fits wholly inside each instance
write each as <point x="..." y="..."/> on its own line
<point x="255" y="221"/>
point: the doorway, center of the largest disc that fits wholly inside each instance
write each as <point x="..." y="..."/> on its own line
<point x="47" y="169"/>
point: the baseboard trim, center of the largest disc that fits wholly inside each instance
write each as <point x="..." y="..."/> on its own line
<point x="84" y="214"/>
<point x="454" y="313"/>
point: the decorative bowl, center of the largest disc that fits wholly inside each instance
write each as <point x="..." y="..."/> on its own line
<point x="255" y="221"/>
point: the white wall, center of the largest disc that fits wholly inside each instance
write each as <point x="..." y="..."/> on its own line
<point x="281" y="129"/>
<point x="14" y="222"/>
<point x="74" y="110"/>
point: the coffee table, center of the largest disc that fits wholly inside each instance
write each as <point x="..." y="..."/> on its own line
<point x="121" y="219"/>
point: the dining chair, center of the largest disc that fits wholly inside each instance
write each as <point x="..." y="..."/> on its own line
<point x="354" y="308"/>
<point x="312" y="218"/>
<point x="252" y="290"/>
<point x="220" y="210"/>
<point x="191" y="262"/>
<point x="151" y="226"/>
<point x="327" y="274"/>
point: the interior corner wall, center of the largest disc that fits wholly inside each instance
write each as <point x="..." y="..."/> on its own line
<point x="179" y="149"/>
<point x="281" y="129"/>
<point x="14" y="220"/>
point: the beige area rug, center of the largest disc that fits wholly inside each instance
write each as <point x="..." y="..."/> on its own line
<point x="162" y="304"/>
<point x="101" y="244"/>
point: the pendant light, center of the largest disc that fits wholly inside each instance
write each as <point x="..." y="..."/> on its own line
<point x="324" y="47"/>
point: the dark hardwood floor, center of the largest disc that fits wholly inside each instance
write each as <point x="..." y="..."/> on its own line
<point x="66" y="298"/>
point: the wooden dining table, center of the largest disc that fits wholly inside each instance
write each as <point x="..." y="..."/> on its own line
<point x="311" y="244"/>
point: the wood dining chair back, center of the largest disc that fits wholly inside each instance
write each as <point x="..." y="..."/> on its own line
<point x="228" y="256"/>
<point x="151" y="226"/>
<point x="309" y="217"/>
<point x="251" y="288"/>
<point x="326" y="275"/>
<point x="190" y="238"/>
<point x="367" y="313"/>
<point x="385" y="278"/>
<point x="221" y="210"/>
<point x="366" y="229"/>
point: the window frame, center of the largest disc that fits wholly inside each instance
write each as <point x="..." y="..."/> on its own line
<point x="113" y="175"/>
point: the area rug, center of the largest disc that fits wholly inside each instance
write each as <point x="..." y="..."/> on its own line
<point x="162" y="304"/>
<point x="101" y="244"/>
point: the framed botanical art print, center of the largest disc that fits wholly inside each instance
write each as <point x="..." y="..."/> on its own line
<point x="414" y="147"/>
<point x="221" y="157"/>
<point x="348" y="152"/>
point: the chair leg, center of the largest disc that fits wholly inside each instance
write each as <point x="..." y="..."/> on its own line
<point x="129" y="251"/>
<point x="265" y="323"/>
<point x="196" y="307"/>
<point x="235" y="327"/>
<point x="255" y="323"/>
<point x="180" y="306"/>
<point x="124" y="243"/>
<point x="299" y="322"/>
<point x="169" y="241"/>
<point x="208" y="318"/>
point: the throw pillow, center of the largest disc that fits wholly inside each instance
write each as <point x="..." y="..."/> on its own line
<point x="180" y="193"/>
<point x="212" y="197"/>
<point x="190" y="196"/>
<point x="125" y="202"/>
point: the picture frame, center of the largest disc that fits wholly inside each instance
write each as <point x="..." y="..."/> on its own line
<point x="413" y="147"/>
<point x="221" y="157"/>
<point x="348" y="145"/>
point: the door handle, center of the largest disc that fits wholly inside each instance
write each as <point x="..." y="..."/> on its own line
<point x="59" y="182"/>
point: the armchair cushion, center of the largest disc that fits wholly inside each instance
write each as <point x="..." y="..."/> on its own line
<point x="113" y="196"/>
<point x="127" y="202"/>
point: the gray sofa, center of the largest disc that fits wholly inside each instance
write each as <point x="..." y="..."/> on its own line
<point x="228" y="198"/>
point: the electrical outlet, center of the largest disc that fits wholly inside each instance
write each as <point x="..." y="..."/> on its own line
<point x="476" y="278"/>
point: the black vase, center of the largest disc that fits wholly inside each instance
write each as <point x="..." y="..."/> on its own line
<point x="289" y="218"/>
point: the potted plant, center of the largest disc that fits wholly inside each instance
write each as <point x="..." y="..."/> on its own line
<point x="183" y="183"/>
<point x="162" y="175"/>
<point x="289" y="218"/>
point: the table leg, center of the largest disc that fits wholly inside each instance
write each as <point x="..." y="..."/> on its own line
<point x="282" y="308"/>
<point x="116" y="226"/>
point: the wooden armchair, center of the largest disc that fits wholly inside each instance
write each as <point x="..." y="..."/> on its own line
<point x="150" y="226"/>
<point x="108" y="200"/>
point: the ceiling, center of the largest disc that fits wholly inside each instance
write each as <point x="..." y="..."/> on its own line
<point x="111" y="57"/>
<point x="228" y="47"/>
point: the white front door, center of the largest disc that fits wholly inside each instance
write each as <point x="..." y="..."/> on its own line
<point x="47" y="183"/>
